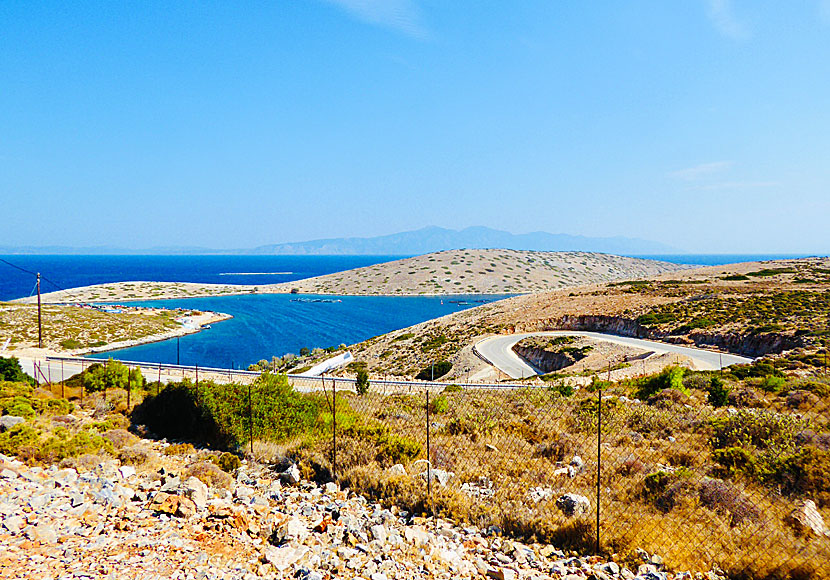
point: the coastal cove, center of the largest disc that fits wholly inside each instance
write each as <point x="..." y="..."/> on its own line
<point x="275" y="324"/>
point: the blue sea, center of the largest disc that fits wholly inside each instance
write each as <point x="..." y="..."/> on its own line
<point x="263" y="325"/>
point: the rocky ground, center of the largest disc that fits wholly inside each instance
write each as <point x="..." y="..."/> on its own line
<point x="102" y="519"/>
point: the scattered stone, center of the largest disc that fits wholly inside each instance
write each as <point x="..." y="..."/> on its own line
<point x="441" y="476"/>
<point x="196" y="491"/>
<point x="9" y="421"/>
<point x="126" y="471"/>
<point x="291" y="476"/>
<point x="282" y="558"/>
<point x="807" y="519"/>
<point x="572" y="504"/>
<point x="396" y="469"/>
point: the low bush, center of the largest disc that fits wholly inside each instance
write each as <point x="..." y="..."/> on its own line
<point x="362" y="382"/>
<point x="133" y="455"/>
<point x="773" y="384"/>
<point x="228" y="462"/>
<point x="725" y="498"/>
<point x="669" y="378"/>
<point x="434" y="371"/>
<point x="439" y="405"/>
<point x="18" y="437"/>
<point x="665" y="489"/>
<point x="718" y="392"/>
<point x="208" y="473"/>
<point x="179" y="449"/>
<point x="11" y="371"/>
<point x="120" y="438"/>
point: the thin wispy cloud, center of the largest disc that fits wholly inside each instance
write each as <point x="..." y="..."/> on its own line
<point x="722" y="17"/>
<point x="701" y="171"/>
<point x="736" y="185"/>
<point x="401" y="15"/>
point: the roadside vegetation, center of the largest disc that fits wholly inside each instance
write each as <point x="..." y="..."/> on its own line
<point x="720" y="459"/>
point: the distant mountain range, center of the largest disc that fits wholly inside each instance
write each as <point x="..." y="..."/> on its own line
<point x="435" y="239"/>
<point x="422" y="241"/>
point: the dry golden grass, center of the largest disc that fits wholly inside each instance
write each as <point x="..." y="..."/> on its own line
<point x="518" y="439"/>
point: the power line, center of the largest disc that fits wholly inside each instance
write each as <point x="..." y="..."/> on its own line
<point x="55" y="284"/>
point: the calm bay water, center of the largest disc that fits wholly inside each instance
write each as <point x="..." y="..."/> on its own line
<point x="270" y="324"/>
<point x="263" y="325"/>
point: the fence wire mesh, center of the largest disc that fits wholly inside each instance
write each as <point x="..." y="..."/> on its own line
<point x="669" y="479"/>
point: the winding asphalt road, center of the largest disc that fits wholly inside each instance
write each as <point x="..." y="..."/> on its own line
<point x="498" y="351"/>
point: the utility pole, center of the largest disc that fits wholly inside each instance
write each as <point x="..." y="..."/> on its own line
<point x="178" y="351"/>
<point x="39" y="325"/>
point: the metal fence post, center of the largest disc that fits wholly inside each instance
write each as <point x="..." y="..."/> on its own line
<point x="429" y="466"/>
<point x="333" y="428"/>
<point x="599" y="458"/>
<point x="250" y="419"/>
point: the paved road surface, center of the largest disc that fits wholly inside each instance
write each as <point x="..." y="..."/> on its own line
<point x="498" y="350"/>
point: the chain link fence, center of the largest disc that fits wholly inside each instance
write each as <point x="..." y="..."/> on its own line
<point x="670" y="480"/>
<point x="664" y="477"/>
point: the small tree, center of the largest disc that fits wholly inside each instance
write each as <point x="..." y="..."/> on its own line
<point x="718" y="392"/>
<point x="304" y="351"/>
<point x="362" y="384"/>
<point x="109" y="375"/>
<point x="10" y="371"/>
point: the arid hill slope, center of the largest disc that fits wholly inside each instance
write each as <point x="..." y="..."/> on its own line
<point x="451" y="272"/>
<point x="481" y="272"/>
<point x="750" y="308"/>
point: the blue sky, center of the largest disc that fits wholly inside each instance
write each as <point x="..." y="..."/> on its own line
<point x="703" y="124"/>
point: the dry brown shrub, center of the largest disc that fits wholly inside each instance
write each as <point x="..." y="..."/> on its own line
<point x="179" y="449"/>
<point x="209" y="473"/>
<point x="133" y="455"/>
<point x="724" y="497"/>
<point x="560" y="448"/>
<point x="88" y="461"/>
<point x="120" y="438"/>
<point x="746" y="397"/>
<point x="802" y="400"/>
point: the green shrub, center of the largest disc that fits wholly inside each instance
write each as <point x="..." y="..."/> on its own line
<point x="434" y="371"/>
<point x="453" y="389"/>
<point x="756" y="369"/>
<point x="773" y="384"/>
<point x="718" y="392"/>
<point x="228" y="462"/>
<point x="10" y="371"/>
<point x="396" y="448"/>
<point x="61" y="445"/>
<point x="439" y="405"/>
<point x="224" y="415"/>
<point x="22" y="435"/>
<point x="110" y="375"/>
<point x="670" y="377"/>
<point x="362" y="382"/>
<point x="807" y="473"/>
<point x="563" y="388"/>
<point x="17" y="406"/>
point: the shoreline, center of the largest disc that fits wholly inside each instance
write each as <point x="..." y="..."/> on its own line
<point x="45" y="298"/>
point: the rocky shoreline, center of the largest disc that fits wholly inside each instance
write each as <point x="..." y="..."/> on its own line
<point x="103" y="518"/>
